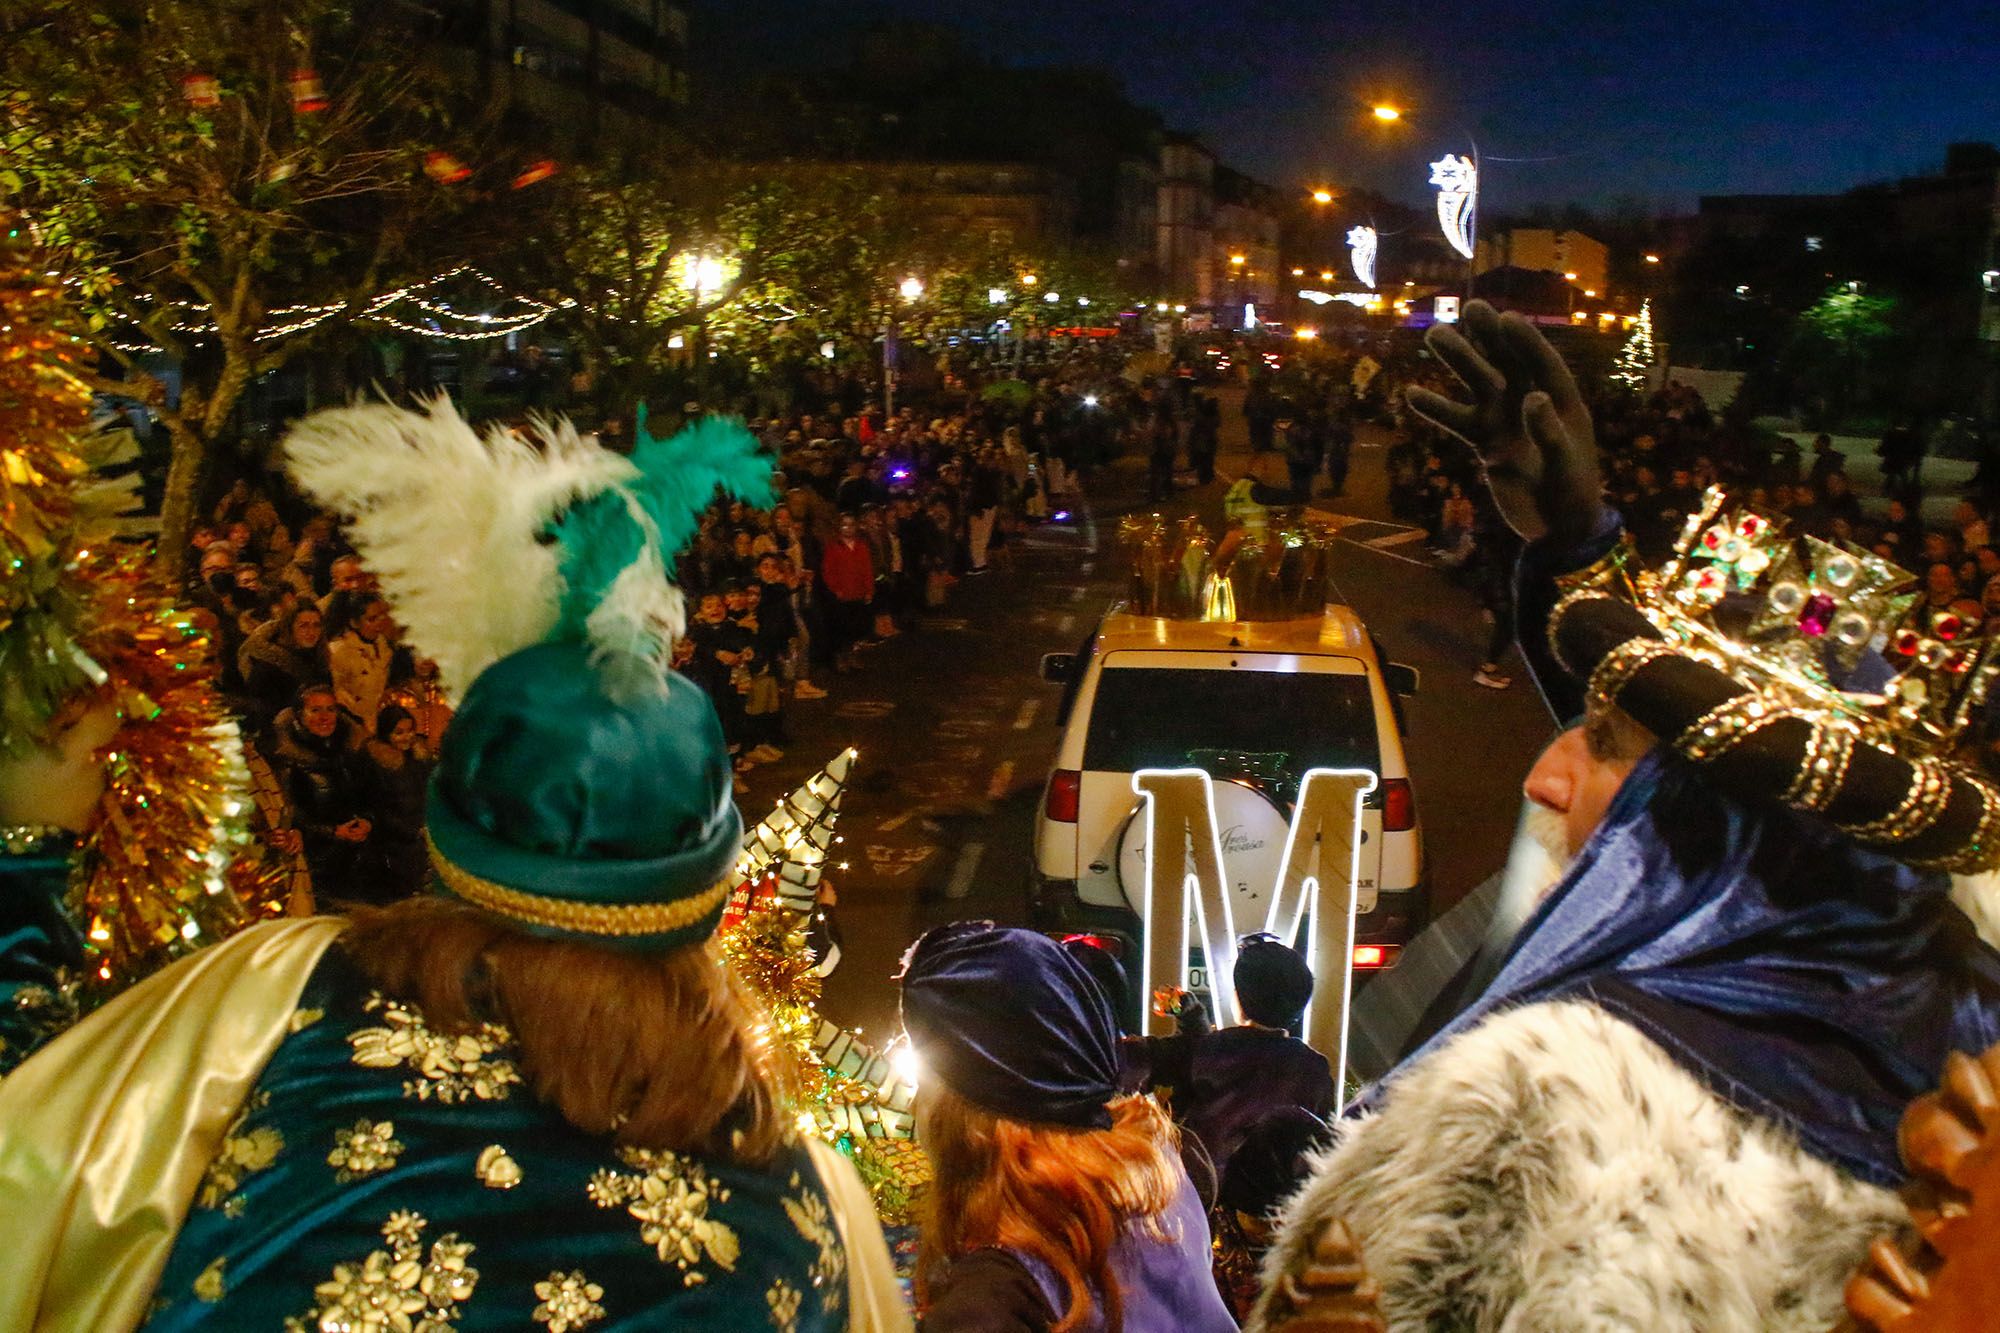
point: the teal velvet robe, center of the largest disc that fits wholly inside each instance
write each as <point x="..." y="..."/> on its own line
<point x="385" y="1176"/>
<point x="41" y="953"/>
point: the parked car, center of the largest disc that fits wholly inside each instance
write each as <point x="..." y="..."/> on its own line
<point x="1256" y="704"/>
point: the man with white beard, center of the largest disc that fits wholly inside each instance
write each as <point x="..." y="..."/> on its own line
<point x="1674" y="1105"/>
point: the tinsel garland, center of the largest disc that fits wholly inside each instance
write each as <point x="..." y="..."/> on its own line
<point x="44" y="408"/>
<point x="172" y="864"/>
<point x="768" y="950"/>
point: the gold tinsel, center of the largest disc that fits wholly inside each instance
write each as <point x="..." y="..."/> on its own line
<point x="44" y="409"/>
<point x="768" y="949"/>
<point x="171" y="865"/>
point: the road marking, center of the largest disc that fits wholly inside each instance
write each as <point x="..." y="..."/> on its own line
<point x="1064" y="625"/>
<point x="1076" y="594"/>
<point x="1087" y="566"/>
<point x="963" y="871"/>
<point x="895" y="862"/>
<point x="1026" y="717"/>
<point x="1003" y="778"/>
<point x="962" y="728"/>
<point x="1396" y="538"/>
<point x="891" y="825"/>
<point x="950" y="624"/>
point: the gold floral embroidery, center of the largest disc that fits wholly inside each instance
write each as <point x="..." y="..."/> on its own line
<point x="397" y="1290"/>
<point x="496" y="1170"/>
<point x="303" y="1019"/>
<point x="369" y="1146"/>
<point x="450" y="1067"/>
<point x="812" y="1219"/>
<point x="208" y="1285"/>
<point x="243" y="1154"/>
<point x="783" y="1298"/>
<point x="568" y="1301"/>
<point x="670" y="1199"/>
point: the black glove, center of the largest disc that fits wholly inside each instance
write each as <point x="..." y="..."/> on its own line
<point x="1526" y="421"/>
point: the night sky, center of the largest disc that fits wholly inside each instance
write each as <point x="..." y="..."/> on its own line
<point x="1612" y="99"/>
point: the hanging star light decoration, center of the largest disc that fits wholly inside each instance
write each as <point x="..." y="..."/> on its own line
<point x="1457" y="180"/>
<point x="1362" y="243"/>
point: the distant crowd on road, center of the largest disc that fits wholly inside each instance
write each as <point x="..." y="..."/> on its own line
<point x="878" y="519"/>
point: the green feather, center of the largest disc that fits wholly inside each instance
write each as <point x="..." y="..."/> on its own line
<point x="678" y="478"/>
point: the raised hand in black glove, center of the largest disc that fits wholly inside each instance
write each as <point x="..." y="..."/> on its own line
<point x="1526" y="421"/>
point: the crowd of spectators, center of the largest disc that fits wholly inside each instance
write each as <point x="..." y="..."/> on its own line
<point x="878" y="520"/>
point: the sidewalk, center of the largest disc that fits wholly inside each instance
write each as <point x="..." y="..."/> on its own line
<point x="1944" y="479"/>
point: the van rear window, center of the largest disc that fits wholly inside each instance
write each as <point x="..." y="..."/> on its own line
<point x="1152" y="717"/>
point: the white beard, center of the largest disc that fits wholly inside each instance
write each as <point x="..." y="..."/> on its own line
<point x="1978" y="896"/>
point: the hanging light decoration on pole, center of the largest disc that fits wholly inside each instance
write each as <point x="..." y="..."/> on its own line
<point x="1457" y="179"/>
<point x="1362" y="243"/>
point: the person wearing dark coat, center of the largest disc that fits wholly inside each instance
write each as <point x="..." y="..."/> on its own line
<point x="1220" y="1083"/>
<point x="279" y="658"/>
<point x="396" y="771"/>
<point x="327" y="791"/>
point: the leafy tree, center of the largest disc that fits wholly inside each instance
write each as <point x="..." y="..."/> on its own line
<point x="228" y="181"/>
<point x="1838" y="342"/>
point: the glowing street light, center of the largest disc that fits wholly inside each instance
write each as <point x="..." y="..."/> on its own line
<point x="1322" y="196"/>
<point x="1029" y="279"/>
<point x="911" y="288"/>
<point x="1053" y="297"/>
<point x="1652" y="259"/>
<point x="1569" y="277"/>
<point x="996" y="296"/>
<point x="1180" y="310"/>
<point x="1160" y="306"/>
<point x="1326" y="275"/>
<point x="705" y="274"/>
<point x="1237" y="261"/>
<point x="1590" y="291"/>
<point x="1383" y="111"/>
<point x="1298" y="273"/>
<point x="1307" y="334"/>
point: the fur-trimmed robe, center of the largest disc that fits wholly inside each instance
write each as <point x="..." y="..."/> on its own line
<point x="1553" y="1170"/>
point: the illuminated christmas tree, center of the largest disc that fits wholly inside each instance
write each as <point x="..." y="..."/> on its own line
<point x="1634" y="367"/>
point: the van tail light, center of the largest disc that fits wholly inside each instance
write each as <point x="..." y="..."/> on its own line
<point x="1371" y="956"/>
<point x="1065" y="795"/>
<point x="1399" y="806"/>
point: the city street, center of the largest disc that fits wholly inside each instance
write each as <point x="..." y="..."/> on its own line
<point x="956" y="730"/>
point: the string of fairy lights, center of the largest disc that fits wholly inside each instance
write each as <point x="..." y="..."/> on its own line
<point x="293" y="320"/>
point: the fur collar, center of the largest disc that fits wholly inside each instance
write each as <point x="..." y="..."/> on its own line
<point x="1552" y="1169"/>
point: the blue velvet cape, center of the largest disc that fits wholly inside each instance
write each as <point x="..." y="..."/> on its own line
<point x="40" y="951"/>
<point x="1804" y="980"/>
<point x="373" y="1141"/>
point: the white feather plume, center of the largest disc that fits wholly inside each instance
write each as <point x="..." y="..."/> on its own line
<point x="453" y="525"/>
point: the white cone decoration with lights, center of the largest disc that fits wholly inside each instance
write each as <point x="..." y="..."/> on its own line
<point x="854" y="1096"/>
<point x="788" y="850"/>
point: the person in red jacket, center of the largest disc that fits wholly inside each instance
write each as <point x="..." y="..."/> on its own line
<point x="847" y="572"/>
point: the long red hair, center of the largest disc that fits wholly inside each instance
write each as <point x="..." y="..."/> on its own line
<point x="655" y="1050"/>
<point x="1062" y="1195"/>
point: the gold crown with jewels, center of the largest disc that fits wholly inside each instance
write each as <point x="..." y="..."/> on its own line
<point x="1797" y="670"/>
<point x="1794" y="617"/>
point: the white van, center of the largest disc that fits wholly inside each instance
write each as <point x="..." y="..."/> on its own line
<point x="1255" y="704"/>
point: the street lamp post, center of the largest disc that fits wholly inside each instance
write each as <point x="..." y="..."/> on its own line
<point x="910" y="289"/>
